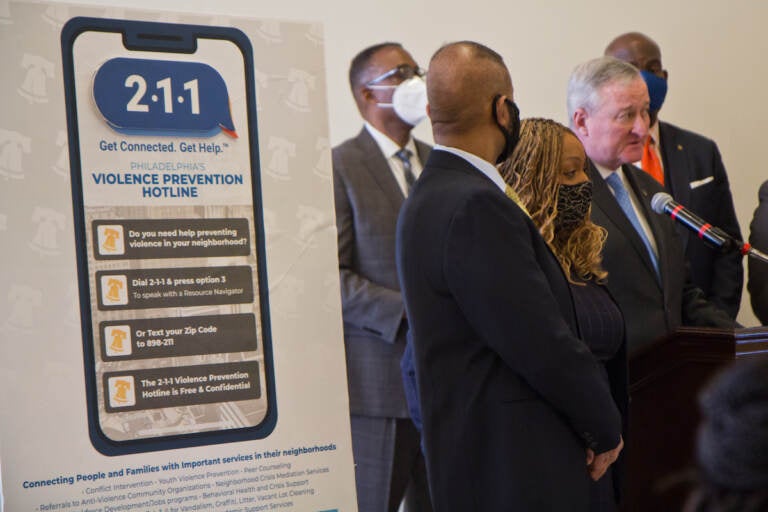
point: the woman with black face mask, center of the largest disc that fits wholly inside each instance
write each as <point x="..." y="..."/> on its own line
<point x="547" y="171"/>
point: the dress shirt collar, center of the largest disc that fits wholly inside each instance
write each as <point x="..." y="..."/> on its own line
<point x="605" y="172"/>
<point x="481" y="165"/>
<point x="653" y="131"/>
<point x="388" y="146"/>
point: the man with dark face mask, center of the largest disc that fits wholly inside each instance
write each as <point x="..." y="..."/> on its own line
<point x="516" y="414"/>
<point x="690" y="168"/>
<point x="372" y="174"/>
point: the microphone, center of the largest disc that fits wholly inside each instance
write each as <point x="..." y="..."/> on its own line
<point x="662" y="203"/>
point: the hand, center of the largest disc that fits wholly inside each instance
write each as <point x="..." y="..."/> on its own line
<point x="598" y="464"/>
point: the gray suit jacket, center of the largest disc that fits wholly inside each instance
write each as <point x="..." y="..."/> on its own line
<point x="368" y="200"/>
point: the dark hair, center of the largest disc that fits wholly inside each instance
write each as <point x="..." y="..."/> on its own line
<point x="732" y="444"/>
<point x="360" y="62"/>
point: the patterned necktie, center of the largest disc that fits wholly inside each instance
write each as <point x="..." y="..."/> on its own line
<point x="622" y="196"/>
<point x="650" y="161"/>
<point x="405" y="156"/>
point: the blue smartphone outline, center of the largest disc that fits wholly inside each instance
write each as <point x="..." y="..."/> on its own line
<point x="169" y="39"/>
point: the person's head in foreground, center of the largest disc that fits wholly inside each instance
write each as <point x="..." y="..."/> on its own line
<point x="732" y="443"/>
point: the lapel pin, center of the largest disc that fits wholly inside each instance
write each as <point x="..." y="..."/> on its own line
<point x="679" y="147"/>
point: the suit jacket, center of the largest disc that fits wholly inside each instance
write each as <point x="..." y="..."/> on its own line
<point x="368" y="200"/>
<point x="696" y="178"/>
<point x="510" y="397"/>
<point x="653" y="307"/>
<point x="758" y="270"/>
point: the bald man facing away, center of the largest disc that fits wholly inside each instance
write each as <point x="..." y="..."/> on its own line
<point x="513" y="404"/>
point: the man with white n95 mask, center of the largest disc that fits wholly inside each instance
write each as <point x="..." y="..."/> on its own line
<point x="372" y="175"/>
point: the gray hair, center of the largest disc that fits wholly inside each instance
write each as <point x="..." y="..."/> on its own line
<point x="588" y="78"/>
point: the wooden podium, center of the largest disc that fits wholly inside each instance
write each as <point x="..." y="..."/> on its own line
<point x="664" y="381"/>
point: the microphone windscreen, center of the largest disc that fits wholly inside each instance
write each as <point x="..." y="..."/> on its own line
<point x="659" y="201"/>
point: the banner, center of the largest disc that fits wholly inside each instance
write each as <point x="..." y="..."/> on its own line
<point x="170" y="329"/>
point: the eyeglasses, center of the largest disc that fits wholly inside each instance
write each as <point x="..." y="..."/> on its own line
<point x="403" y="71"/>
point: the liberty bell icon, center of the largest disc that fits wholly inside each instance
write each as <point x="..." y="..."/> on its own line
<point x="113" y="289"/>
<point x="110" y="236"/>
<point x="117" y="340"/>
<point x="121" y="391"/>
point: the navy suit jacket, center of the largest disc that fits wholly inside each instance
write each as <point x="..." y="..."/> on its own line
<point x="653" y="307"/>
<point x="696" y="178"/>
<point x="510" y="397"/>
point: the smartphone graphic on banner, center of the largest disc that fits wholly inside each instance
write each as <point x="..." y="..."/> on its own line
<point x="169" y="231"/>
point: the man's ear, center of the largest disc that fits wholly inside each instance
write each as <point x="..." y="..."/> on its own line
<point x="579" y="122"/>
<point x="502" y="113"/>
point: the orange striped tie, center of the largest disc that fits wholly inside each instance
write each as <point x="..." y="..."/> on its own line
<point x="650" y="161"/>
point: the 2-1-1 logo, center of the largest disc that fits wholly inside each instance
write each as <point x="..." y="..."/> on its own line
<point x="158" y="97"/>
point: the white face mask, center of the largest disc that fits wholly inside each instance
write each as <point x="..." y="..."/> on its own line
<point x="409" y="100"/>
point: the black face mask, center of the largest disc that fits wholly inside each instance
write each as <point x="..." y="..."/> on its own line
<point x="512" y="132"/>
<point x="573" y="202"/>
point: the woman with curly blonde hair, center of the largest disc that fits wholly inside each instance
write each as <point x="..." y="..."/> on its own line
<point x="548" y="173"/>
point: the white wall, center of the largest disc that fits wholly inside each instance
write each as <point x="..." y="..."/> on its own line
<point x="714" y="52"/>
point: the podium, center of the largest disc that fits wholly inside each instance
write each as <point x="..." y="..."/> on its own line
<point x="664" y="382"/>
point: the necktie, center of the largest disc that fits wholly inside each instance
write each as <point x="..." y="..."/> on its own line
<point x="650" y="161"/>
<point x="622" y="196"/>
<point x="405" y="156"/>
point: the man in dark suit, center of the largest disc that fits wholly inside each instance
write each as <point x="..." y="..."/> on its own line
<point x="513" y="405"/>
<point x="693" y="172"/>
<point x="647" y="272"/>
<point x="372" y="174"/>
<point x="758" y="270"/>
